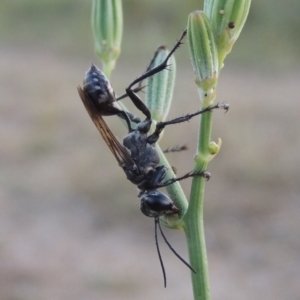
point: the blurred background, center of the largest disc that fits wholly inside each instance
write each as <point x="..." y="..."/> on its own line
<point x="70" y="224"/>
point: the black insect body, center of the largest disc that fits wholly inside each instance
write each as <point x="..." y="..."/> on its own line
<point x="137" y="156"/>
<point x="147" y="174"/>
<point x="98" y="88"/>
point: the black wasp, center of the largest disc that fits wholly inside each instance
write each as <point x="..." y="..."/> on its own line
<point x="137" y="156"/>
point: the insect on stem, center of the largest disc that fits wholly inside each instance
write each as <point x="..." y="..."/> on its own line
<point x="137" y="155"/>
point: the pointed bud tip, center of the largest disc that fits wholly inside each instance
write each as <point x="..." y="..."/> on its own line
<point x="203" y="50"/>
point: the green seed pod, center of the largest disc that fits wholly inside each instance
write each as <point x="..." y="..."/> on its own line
<point x="227" y="19"/>
<point x="159" y="91"/>
<point x="107" y="26"/>
<point x="203" y="50"/>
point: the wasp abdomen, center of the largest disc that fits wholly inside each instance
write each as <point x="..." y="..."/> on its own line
<point x="98" y="87"/>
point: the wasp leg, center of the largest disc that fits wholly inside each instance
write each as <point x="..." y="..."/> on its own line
<point x="176" y="149"/>
<point x="135" y="90"/>
<point x="153" y="178"/>
<point x="130" y="92"/>
<point x="153" y="138"/>
<point x="200" y="173"/>
<point x="127" y="117"/>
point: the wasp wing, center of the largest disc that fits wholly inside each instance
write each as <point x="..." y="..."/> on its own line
<point x="118" y="150"/>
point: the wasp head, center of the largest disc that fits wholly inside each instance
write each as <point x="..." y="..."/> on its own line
<point x="155" y="203"/>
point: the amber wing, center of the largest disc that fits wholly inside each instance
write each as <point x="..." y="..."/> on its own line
<point x="118" y="150"/>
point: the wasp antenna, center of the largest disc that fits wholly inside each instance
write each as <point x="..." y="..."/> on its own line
<point x="156" y="221"/>
<point x="173" y="250"/>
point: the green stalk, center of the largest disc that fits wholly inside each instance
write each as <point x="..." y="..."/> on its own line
<point x="158" y="99"/>
<point x="194" y="231"/>
<point x="193" y="219"/>
<point x="204" y="56"/>
<point x="176" y="193"/>
<point x="211" y="35"/>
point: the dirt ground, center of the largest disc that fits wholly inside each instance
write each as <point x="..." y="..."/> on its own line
<point x="70" y="225"/>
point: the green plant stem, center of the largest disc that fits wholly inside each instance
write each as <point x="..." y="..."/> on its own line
<point x="108" y="67"/>
<point x="174" y="190"/>
<point x="204" y="140"/>
<point x="193" y="219"/>
<point x="194" y="231"/>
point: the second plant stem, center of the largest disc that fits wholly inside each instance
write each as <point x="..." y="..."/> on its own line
<point x="193" y="219"/>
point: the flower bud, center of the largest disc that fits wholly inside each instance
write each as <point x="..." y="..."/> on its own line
<point x="203" y="50"/>
<point x="107" y="25"/>
<point x="227" y="19"/>
<point x="214" y="148"/>
<point x="159" y="91"/>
